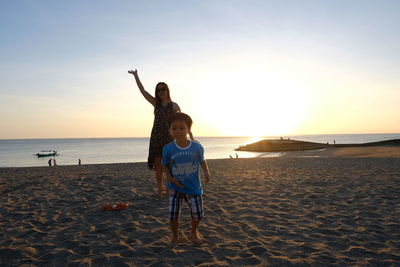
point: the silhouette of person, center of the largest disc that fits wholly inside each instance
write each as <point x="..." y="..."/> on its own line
<point x="49" y="162"/>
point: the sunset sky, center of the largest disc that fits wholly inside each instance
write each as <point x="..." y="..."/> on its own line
<point x="239" y="68"/>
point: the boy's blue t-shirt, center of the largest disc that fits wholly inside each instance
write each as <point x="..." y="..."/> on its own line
<point x="184" y="166"/>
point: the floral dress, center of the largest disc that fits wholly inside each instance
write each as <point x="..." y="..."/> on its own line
<point x="160" y="133"/>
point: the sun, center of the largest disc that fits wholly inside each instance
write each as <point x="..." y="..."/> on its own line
<point x="274" y="108"/>
<point x="249" y="103"/>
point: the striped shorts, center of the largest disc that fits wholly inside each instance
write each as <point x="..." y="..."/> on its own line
<point x="195" y="203"/>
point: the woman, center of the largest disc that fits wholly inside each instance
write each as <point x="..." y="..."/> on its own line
<point x="163" y="109"/>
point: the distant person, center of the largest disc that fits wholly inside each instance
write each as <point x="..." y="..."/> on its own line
<point x="237" y="156"/>
<point x="54" y="162"/>
<point x="79" y="162"/>
<point x="181" y="160"/>
<point x="49" y="162"/>
<point x="163" y="109"/>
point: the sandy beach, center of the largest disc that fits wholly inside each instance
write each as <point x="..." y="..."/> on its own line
<point x="348" y="152"/>
<point x="330" y="210"/>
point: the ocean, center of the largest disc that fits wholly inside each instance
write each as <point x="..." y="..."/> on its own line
<point x="21" y="152"/>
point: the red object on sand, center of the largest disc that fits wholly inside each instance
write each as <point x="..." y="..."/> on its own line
<point x="119" y="206"/>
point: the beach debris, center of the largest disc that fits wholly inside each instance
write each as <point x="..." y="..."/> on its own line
<point x="119" y="206"/>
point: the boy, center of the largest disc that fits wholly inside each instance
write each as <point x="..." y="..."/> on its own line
<point x="181" y="159"/>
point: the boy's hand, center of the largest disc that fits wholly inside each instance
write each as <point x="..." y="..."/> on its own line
<point x="178" y="184"/>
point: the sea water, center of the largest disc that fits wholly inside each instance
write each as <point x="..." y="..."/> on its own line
<point x="21" y="152"/>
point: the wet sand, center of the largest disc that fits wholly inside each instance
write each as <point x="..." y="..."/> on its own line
<point x="295" y="210"/>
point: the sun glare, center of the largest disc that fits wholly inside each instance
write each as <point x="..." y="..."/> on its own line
<point x="252" y="103"/>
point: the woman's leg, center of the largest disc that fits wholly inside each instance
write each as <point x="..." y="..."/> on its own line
<point x="159" y="175"/>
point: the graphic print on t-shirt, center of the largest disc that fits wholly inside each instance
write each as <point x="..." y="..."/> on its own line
<point x="184" y="164"/>
<point x="181" y="168"/>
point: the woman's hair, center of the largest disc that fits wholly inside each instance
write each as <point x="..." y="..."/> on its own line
<point x="158" y="99"/>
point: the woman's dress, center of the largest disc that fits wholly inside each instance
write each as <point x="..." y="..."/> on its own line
<point x="160" y="133"/>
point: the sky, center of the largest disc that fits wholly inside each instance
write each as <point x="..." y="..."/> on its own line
<point x="239" y="68"/>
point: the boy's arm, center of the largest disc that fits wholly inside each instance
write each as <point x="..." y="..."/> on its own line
<point x="172" y="179"/>
<point x="206" y="171"/>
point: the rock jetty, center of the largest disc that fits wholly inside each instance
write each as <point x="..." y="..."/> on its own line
<point x="279" y="145"/>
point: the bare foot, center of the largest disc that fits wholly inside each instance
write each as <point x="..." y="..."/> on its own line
<point x="196" y="238"/>
<point x="175" y="240"/>
<point x="159" y="193"/>
<point x="162" y="193"/>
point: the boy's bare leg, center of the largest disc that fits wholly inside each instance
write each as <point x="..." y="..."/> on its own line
<point x="194" y="235"/>
<point x="174" y="229"/>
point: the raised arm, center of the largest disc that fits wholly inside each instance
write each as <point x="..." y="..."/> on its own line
<point x="146" y="95"/>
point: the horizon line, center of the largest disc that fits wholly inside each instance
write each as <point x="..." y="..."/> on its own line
<point x="220" y="136"/>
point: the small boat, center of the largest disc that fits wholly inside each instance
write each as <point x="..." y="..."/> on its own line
<point x="46" y="153"/>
